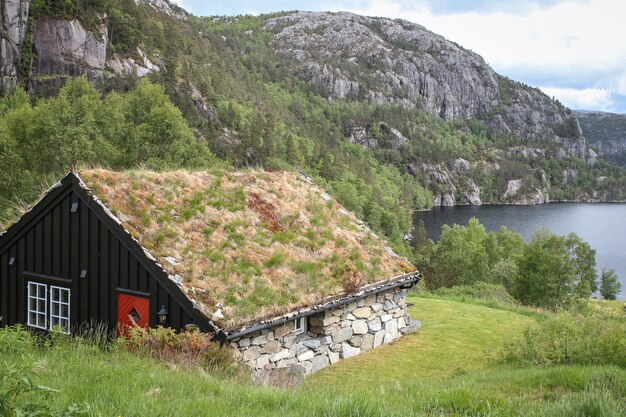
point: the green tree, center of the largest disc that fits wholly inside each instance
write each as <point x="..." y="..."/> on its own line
<point x="609" y="284"/>
<point x="554" y="269"/>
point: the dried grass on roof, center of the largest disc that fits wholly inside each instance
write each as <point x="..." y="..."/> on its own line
<point x="258" y="243"/>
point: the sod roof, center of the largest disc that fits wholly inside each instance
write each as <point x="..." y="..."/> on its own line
<point x="252" y="244"/>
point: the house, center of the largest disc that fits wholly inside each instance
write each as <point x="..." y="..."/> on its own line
<point x="267" y="262"/>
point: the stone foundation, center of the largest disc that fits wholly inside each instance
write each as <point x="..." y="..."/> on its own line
<point x="332" y="335"/>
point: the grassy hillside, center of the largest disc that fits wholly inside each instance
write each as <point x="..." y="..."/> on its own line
<point x="442" y="370"/>
<point x="446" y="345"/>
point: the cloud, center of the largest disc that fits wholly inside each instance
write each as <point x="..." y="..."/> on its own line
<point x="587" y="99"/>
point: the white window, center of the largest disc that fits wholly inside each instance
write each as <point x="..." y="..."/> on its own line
<point x="37" y="305"/>
<point x="300" y="325"/>
<point x="60" y="309"/>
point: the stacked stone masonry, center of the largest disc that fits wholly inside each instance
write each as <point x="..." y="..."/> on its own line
<point x="331" y="335"/>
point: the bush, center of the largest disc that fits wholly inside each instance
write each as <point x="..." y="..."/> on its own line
<point x="570" y="339"/>
<point x="187" y="348"/>
<point x="16" y="340"/>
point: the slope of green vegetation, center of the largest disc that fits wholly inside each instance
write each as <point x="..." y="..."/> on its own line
<point x="254" y="112"/>
<point x="441" y="370"/>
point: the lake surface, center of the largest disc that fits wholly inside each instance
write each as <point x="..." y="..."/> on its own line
<point x="602" y="225"/>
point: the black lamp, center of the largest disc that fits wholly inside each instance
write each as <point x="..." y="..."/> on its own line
<point x="162" y="315"/>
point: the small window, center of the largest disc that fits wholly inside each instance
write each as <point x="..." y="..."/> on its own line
<point x="37" y="305"/>
<point x="300" y="325"/>
<point x="60" y="309"/>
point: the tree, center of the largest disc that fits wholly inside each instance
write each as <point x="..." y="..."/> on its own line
<point x="609" y="285"/>
<point x="554" y="269"/>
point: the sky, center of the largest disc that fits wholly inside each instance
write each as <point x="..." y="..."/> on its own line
<point x="574" y="50"/>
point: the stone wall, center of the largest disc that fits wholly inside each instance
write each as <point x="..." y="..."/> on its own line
<point x="332" y="335"/>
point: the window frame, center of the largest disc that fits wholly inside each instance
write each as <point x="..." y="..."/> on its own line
<point x="302" y="327"/>
<point x="58" y="317"/>
<point x="37" y="299"/>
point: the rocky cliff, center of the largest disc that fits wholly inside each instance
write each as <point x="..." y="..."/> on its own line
<point x="398" y="62"/>
<point x="14" y="21"/>
<point x="63" y="47"/>
<point x="48" y="49"/>
<point x="606" y="132"/>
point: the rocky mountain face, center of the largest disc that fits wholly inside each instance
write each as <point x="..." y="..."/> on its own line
<point x="606" y="132"/>
<point x="398" y="62"/>
<point x="14" y="20"/>
<point x="51" y="49"/>
<point x="348" y="57"/>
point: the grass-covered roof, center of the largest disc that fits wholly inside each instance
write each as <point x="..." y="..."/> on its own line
<point x="258" y="243"/>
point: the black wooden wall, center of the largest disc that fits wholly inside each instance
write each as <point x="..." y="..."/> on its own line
<point x="53" y="245"/>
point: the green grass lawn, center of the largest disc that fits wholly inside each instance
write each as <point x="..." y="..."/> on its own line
<point x="443" y="370"/>
<point x="455" y="338"/>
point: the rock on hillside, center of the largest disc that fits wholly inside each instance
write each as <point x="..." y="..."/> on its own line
<point x="398" y="62"/>
<point x="65" y="47"/>
<point x="451" y="183"/>
<point x="606" y="132"/>
<point x="60" y="48"/>
<point x="13" y="20"/>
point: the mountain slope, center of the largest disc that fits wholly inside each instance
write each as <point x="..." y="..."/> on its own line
<point x="386" y="115"/>
<point x="387" y="61"/>
<point x="606" y="132"/>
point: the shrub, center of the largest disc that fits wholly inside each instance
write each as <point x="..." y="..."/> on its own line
<point x="187" y="348"/>
<point x="16" y="340"/>
<point x="570" y="339"/>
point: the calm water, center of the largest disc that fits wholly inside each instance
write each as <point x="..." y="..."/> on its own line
<point x="603" y="226"/>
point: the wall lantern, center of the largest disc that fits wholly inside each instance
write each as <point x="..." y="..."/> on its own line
<point x="162" y="315"/>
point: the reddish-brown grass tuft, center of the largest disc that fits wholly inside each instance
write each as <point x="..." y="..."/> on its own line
<point x="266" y="210"/>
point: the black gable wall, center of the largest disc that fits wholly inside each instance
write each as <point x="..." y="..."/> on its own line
<point x="53" y="245"/>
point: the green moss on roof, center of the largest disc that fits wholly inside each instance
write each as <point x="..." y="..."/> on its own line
<point x="258" y="243"/>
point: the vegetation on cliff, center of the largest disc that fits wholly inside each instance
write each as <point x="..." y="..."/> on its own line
<point x="225" y="94"/>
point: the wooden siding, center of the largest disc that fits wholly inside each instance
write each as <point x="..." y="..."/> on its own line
<point x="54" y="245"/>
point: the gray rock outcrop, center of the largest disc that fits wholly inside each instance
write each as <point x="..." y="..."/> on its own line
<point x="388" y="137"/>
<point x="453" y="185"/>
<point x="398" y="62"/>
<point x="606" y="132"/>
<point x="64" y="47"/>
<point x="13" y="31"/>
<point x="128" y="66"/>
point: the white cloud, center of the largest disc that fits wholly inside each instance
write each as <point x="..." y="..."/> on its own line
<point x="587" y="98"/>
<point x="563" y="37"/>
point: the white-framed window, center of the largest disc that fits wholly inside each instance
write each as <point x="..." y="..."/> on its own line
<point x="300" y="325"/>
<point x="59" y="312"/>
<point x="37" y="305"/>
<point x="60" y="309"/>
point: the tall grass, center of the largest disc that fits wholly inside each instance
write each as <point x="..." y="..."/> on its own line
<point x="89" y="378"/>
<point x="570" y="339"/>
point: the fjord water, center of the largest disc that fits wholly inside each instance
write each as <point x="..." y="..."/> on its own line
<point x="602" y="225"/>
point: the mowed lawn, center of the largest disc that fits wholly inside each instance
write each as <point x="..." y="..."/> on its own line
<point x="455" y="338"/>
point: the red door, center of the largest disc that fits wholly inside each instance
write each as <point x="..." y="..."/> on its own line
<point x="132" y="311"/>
